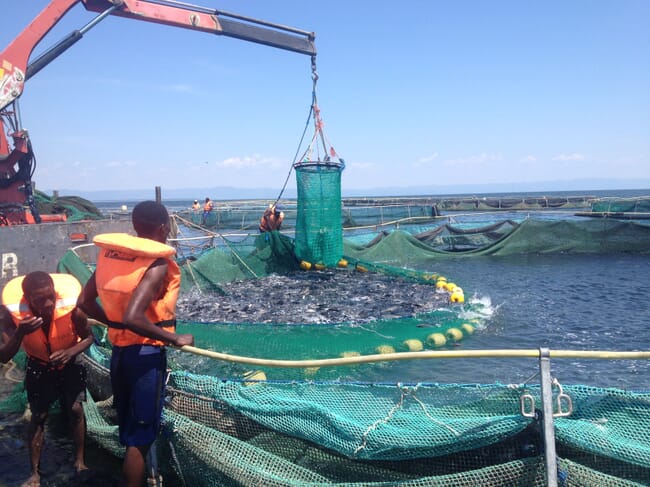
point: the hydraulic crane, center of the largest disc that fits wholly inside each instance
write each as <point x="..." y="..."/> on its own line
<point x="16" y="156"/>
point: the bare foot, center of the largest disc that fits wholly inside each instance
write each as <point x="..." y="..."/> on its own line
<point x="80" y="467"/>
<point x="33" y="481"/>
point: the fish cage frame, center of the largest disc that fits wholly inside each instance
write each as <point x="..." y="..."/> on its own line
<point x="553" y="404"/>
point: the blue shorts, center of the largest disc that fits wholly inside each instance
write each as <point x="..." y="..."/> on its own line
<point x="138" y="374"/>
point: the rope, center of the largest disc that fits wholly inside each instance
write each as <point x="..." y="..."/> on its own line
<point x="380" y="421"/>
<point x="234" y="252"/>
<point x="426" y="412"/>
<point x="196" y="282"/>
<point x="240" y="259"/>
<point x="399" y="356"/>
<point x="191" y="224"/>
<point x="314" y="77"/>
<point x="11" y="366"/>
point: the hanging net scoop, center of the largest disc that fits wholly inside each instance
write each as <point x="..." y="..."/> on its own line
<point x="319" y="230"/>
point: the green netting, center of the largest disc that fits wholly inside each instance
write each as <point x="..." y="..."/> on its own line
<point x="74" y="207"/>
<point x="454" y="239"/>
<point x="296" y="433"/>
<point x="223" y="216"/>
<point x="252" y="257"/>
<point x="319" y="231"/>
<point x="196" y="217"/>
<point x="248" y="258"/>
<point x="71" y="263"/>
<point x="506" y="238"/>
<point x="602" y="424"/>
<point x="260" y="255"/>
<point x="16" y="399"/>
<point x="230" y="424"/>
<point x="394" y="428"/>
<point x="312" y="342"/>
<point x="371" y="215"/>
<point x="513" y="203"/>
<point x="271" y="252"/>
<point x="574" y="474"/>
<point x="621" y="205"/>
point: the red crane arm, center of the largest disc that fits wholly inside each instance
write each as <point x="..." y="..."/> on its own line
<point x="14" y="68"/>
<point x="17" y="163"/>
<point x="13" y="60"/>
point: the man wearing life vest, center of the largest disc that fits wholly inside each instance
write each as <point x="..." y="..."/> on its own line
<point x="137" y="281"/>
<point x="38" y="312"/>
<point x="196" y="206"/>
<point x="208" y="206"/>
<point x="271" y="219"/>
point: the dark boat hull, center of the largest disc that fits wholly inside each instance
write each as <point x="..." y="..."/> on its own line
<point x="27" y="248"/>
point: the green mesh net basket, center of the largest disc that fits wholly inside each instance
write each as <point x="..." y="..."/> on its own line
<point x="319" y="229"/>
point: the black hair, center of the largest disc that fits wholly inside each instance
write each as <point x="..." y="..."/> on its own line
<point x="147" y="216"/>
<point x="36" y="280"/>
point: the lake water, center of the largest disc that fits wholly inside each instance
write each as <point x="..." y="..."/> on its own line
<point x="576" y="302"/>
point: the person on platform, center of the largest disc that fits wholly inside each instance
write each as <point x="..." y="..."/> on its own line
<point x="271" y="219"/>
<point x="208" y="206"/>
<point x="137" y="281"/>
<point x="38" y="313"/>
<point x="196" y="206"/>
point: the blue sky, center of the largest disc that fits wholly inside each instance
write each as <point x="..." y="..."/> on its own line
<point x="412" y="93"/>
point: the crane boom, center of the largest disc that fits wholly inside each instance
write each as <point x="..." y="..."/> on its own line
<point x="16" y="163"/>
<point x="14" y="70"/>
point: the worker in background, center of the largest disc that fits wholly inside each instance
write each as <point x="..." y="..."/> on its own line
<point x="196" y="206"/>
<point x="272" y="218"/>
<point x="208" y="206"/>
<point x="38" y="312"/>
<point x="137" y="281"/>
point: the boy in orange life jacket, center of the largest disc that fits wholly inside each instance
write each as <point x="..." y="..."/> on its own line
<point x="38" y="312"/>
<point x="137" y="281"/>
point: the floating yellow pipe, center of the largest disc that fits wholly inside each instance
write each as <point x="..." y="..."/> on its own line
<point x="425" y="354"/>
<point x="429" y="354"/>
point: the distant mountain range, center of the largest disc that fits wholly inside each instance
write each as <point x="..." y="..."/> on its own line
<point x="229" y="193"/>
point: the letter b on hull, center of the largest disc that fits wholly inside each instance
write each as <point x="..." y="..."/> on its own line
<point x="9" y="266"/>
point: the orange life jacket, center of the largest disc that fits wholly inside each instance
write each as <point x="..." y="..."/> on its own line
<point x="62" y="333"/>
<point x="208" y="206"/>
<point x="270" y="220"/>
<point x="196" y="206"/>
<point x="121" y="264"/>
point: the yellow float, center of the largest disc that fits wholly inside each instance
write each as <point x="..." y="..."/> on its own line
<point x="436" y="340"/>
<point x="457" y="297"/>
<point x="454" y="334"/>
<point x="413" y="345"/>
<point x="383" y="349"/>
<point x="467" y="328"/>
